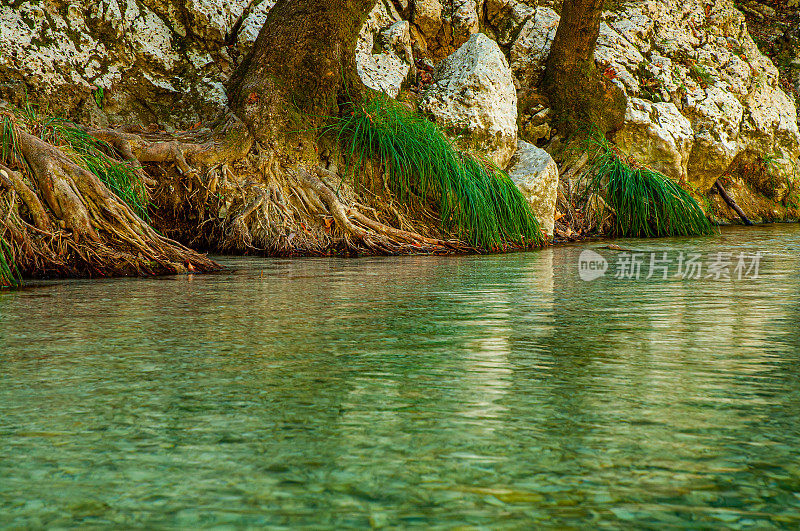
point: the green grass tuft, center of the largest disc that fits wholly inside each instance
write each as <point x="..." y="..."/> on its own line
<point x="477" y="202"/>
<point x="9" y="274"/>
<point x="9" y="150"/>
<point x="647" y="203"/>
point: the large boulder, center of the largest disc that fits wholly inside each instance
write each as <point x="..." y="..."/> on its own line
<point x="657" y="133"/>
<point x="716" y="117"/>
<point x="535" y="173"/>
<point x="770" y="131"/>
<point x="473" y="98"/>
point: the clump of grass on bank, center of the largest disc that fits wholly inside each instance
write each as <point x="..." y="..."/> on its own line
<point x="9" y="150"/>
<point x="9" y="274"/>
<point x="646" y="203"/>
<point x="477" y="202"/>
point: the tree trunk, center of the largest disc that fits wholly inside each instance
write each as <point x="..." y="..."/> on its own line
<point x="580" y="95"/>
<point x="301" y="65"/>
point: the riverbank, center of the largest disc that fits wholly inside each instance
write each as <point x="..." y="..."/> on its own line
<point x="233" y="165"/>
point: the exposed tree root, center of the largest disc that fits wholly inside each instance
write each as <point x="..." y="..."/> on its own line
<point x="65" y="222"/>
<point x="377" y="236"/>
<point x="229" y="195"/>
<point x="212" y="188"/>
<point x="225" y="141"/>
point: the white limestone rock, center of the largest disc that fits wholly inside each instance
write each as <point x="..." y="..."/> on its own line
<point x="694" y="54"/>
<point x="384" y="73"/>
<point x="213" y="19"/>
<point x="507" y="17"/>
<point x="139" y="52"/>
<point x="702" y="58"/>
<point x="387" y="70"/>
<point x="716" y="117"/>
<point x="252" y="24"/>
<point x="535" y="173"/>
<point x="152" y="38"/>
<point x="619" y="54"/>
<point x="532" y="47"/>
<point x="657" y="135"/>
<point x="473" y="98"/>
<point x="444" y="25"/>
<point x="427" y="17"/>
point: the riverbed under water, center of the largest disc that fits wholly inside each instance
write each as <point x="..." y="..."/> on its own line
<point x="499" y="391"/>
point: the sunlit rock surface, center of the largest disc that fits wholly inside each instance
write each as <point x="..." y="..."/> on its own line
<point x="162" y="62"/>
<point x="384" y="57"/>
<point x="535" y="173"/>
<point x="474" y="99"/>
<point x="700" y="58"/>
<point x="657" y="132"/>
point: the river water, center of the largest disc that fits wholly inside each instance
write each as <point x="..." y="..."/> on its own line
<point x="499" y="391"/>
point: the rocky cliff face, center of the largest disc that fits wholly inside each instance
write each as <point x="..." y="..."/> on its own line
<point x="703" y="100"/>
<point x="138" y="61"/>
<point x="682" y="63"/>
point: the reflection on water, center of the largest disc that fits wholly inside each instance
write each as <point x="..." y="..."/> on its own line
<point x="495" y="390"/>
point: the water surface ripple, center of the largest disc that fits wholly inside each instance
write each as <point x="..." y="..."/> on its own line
<point x="497" y="391"/>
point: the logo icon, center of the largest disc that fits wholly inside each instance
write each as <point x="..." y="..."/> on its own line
<point x="591" y="265"/>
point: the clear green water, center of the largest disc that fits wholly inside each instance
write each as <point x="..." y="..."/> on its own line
<point x="496" y="391"/>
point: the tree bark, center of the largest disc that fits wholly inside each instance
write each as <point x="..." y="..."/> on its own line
<point x="301" y="65"/>
<point x="580" y="95"/>
<point x="731" y="203"/>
